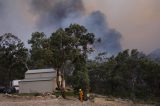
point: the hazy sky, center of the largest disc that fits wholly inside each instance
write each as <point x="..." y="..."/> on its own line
<point x="138" y="21"/>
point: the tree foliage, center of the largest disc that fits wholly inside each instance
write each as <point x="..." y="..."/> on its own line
<point x="69" y="45"/>
<point x="13" y="57"/>
<point x="38" y="52"/>
<point x="129" y="74"/>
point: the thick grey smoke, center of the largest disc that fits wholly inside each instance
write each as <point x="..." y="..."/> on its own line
<point x="61" y="13"/>
<point x="110" y="38"/>
<point x="22" y="17"/>
<point x="54" y="12"/>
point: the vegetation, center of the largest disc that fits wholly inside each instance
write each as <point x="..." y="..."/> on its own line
<point x="69" y="45"/>
<point x="13" y="58"/>
<point x="129" y="74"/>
<point x="67" y="93"/>
<point x="37" y="51"/>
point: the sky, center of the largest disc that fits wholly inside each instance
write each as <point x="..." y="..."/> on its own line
<point x="128" y="24"/>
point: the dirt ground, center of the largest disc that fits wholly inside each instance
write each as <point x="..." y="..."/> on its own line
<point x="14" y="100"/>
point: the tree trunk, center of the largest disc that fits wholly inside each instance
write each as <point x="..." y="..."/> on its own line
<point x="9" y="78"/>
<point x="58" y="79"/>
<point x="61" y="83"/>
<point x="63" y="86"/>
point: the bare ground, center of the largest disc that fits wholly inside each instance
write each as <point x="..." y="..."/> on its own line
<point x="14" y="100"/>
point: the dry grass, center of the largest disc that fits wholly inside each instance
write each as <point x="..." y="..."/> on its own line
<point x="14" y="100"/>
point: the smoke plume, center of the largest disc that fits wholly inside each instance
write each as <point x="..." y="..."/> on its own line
<point x="22" y="17"/>
<point x="54" y="12"/>
<point x="61" y="13"/>
<point x="110" y="38"/>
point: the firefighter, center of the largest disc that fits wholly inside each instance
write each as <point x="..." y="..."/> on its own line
<point x="81" y="95"/>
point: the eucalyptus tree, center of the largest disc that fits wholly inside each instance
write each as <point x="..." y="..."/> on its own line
<point x="65" y="46"/>
<point x="38" y="51"/>
<point x="72" y="45"/>
<point x="13" y="58"/>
